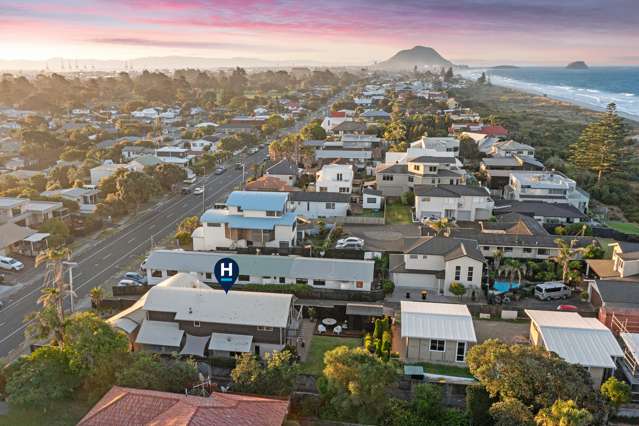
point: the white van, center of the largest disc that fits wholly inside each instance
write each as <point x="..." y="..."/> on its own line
<point x="11" y="264"/>
<point x="552" y="290"/>
<point x="190" y="180"/>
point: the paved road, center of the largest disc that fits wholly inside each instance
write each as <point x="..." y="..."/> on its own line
<point x="108" y="256"/>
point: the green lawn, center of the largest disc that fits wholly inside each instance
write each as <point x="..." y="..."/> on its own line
<point x="61" y="413"/>
<point x="446" y="370"/>
<point x="625" y="227"/>
<point x="371" y="213"/>
<point x="319" y="345"/>
<point x="397" y="213"/>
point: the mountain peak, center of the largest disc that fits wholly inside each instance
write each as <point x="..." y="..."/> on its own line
<point x="420" y="56"/>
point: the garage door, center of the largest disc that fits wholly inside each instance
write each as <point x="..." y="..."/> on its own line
<point x="424" y="281"/>
<point x="463" y="214"/>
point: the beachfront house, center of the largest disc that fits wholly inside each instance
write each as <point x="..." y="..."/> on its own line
<point x="460" y="202"/>
<point x="547" y="186"/>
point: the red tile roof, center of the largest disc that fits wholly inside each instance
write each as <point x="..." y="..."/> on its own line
<point x="494" y="131"/>
<point x="338" y="113"/>
<point x="126" y="406"/>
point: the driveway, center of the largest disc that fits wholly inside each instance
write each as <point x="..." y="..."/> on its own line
<point x="506" y="331"/>
<point x="384" y="237"/>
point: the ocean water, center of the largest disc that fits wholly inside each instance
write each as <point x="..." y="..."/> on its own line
<point x="593" y="88"/>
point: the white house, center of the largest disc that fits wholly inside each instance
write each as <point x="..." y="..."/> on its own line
<point x="316" y="272"/>
<point x="510" y="148"/>
<point x="459" y="202"/>
<point x="578" y="340"/>
<point x="174" y="155"/>
<point x="372" y="199"/>
<point x="249" y="218"/>
<point x="335" y="178"/>
<point x="436" y="332"/>
<point x="319" y="205"/>
<point x="330" y="123"/>
<point x="439" y="144"/>
<point x="548" y="186"/>
<point x="106" y="169"/>
<point x="433" y="263"/>
<point x="86" y="198"/>
<point x="146" y="113"/>
<point x="284" y="170"/>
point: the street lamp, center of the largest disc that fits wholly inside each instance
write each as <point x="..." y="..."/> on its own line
<point x="71" y="265"/>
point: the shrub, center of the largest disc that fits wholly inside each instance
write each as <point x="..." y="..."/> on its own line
<point x="388" y="286"/>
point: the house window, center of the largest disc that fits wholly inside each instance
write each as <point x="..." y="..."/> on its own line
<point x="301" y="281"/>
<point x="461" y="352"/>
<point x="344" y="189"/>
<point x="437" y="345"/>
<point x="196" y="324"/>
<point x="359" y="284"/>
<point x="410" y="179"/>
<point x="319" y="282"/>
<point x="371" y="200"/>
<point x="208" y="275"/>
<point x="156" y="273"/>
<point x="264" y="328"/>
<point x="457" y="273"/>
<point x="340" y="177"/>
<point x="282" y="280"/>
<point x="414" y="256"/>
<point x="508" y="249"/>
<point x="416" y="167"/>
<point x="272" y="213"/>
<point x="170" y="273"/>
<point x="244" y="278"/>
<point x="486" y="248"/>
<point x="432" y="169"/>
<point x="527" y="250"/>
<point x="387" y="177"/>
<point x="213" y="225"/>
<point x="470" y="273"/>
<point x="323" y="189"/>
<point x="542" y="252"/>
<point x="425" y="199"/>
<point x="330" y="206"/>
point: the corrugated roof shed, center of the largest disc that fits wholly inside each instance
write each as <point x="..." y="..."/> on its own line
<point x="444" y="321"/>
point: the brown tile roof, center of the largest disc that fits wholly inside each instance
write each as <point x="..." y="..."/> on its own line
<point x="126" y="406"/>
<point x="269" y="183"/>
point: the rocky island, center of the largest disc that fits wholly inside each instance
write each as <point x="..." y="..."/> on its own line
<point x="577" y="65"/>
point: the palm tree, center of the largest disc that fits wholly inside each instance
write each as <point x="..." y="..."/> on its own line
<point x="567" y="253"/>
<point x="97" y="296"/>
<point x="513" y="268"/>
<point x="442" y="226"/>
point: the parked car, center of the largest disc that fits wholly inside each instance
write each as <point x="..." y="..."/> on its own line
<point x="11" y="264"/>
<point x="190" y="180"/>
<point x="198" y="191"/>
<point x="350" y="245"/>
<point x="127" y="283"/>
<point x="219" y="171"/>
<point x="134" y="276"/>
<point x="552" y="290"/>
<point x="186" y="190"/>
<point x="350" y="240"/>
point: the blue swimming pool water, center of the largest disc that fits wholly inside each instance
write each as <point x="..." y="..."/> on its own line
<point x="503" y="286"/>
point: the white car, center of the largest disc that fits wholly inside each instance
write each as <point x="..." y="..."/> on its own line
<point x="11" y="264"/>
<point x="350" y="245"/>
<point x="128" y="283"/>
<point x="198" y="191"/>
<point x="350" y="240"/>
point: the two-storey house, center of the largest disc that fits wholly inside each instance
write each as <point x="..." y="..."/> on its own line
<point x="548" y="186"/>
<point x="460" y="202"/>
<point x="249" y="218"/>
<point x="335" y="178"/>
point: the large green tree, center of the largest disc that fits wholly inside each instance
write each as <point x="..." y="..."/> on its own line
<point x="601" y="147"/>
<point x="563" y="413"/>
<point x="274" y="377"/>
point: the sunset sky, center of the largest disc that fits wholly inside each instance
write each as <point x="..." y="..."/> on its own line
<point x="475" y="32"/>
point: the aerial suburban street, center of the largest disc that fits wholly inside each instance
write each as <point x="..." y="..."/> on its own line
<point x="101" y="260"/>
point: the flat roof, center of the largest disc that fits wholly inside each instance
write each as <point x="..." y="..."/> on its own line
<point x="160" y="333"/>
<point x="444" y="321"/>
<point x="261" y="265"/>
<point x="242" y="222"/>
<point x="578" y="340"/>
<point x="230" y="342"/>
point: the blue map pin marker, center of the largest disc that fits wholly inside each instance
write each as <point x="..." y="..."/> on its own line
<point x="226" y="272"/>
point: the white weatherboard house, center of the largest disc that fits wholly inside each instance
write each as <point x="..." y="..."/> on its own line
<point x="335" y="178"/>
<point x="436" y="332"/>
<point x="322" y="273"/>
<point x="249" y="218"/>
<point x="578" y="340"/>
<point x="316" y="205"/>
<point x="372" y="199"/>
<point x="284" y="170"/>
<point x="459" y="202"/>
<point x="433" y="263"/>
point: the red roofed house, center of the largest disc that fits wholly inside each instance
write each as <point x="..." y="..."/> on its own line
<point x="495" y="131"/>
<point x="127" y="406"/>
<point x="338" y="114"/>
<point x="270" y="184"/>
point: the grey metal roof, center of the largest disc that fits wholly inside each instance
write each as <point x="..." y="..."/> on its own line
<point x="618" y="292"/>
<point x="434" y="160"/>
<point x="456" y="191"/>
<point x="350" y="126"/>
<point x="283" y="167"/>
<point x="538" y="208"/>
<point x="267" y="266"/>
<point x="334" y="197"/>
<point x="450" y="248"/>
<point x="392" y="168"/>
<point x="371" y="191"/>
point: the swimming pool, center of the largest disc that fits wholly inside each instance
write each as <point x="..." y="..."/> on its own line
<point x="501" y="286"/>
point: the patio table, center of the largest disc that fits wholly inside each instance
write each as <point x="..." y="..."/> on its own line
<point x="329" y="321"/>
